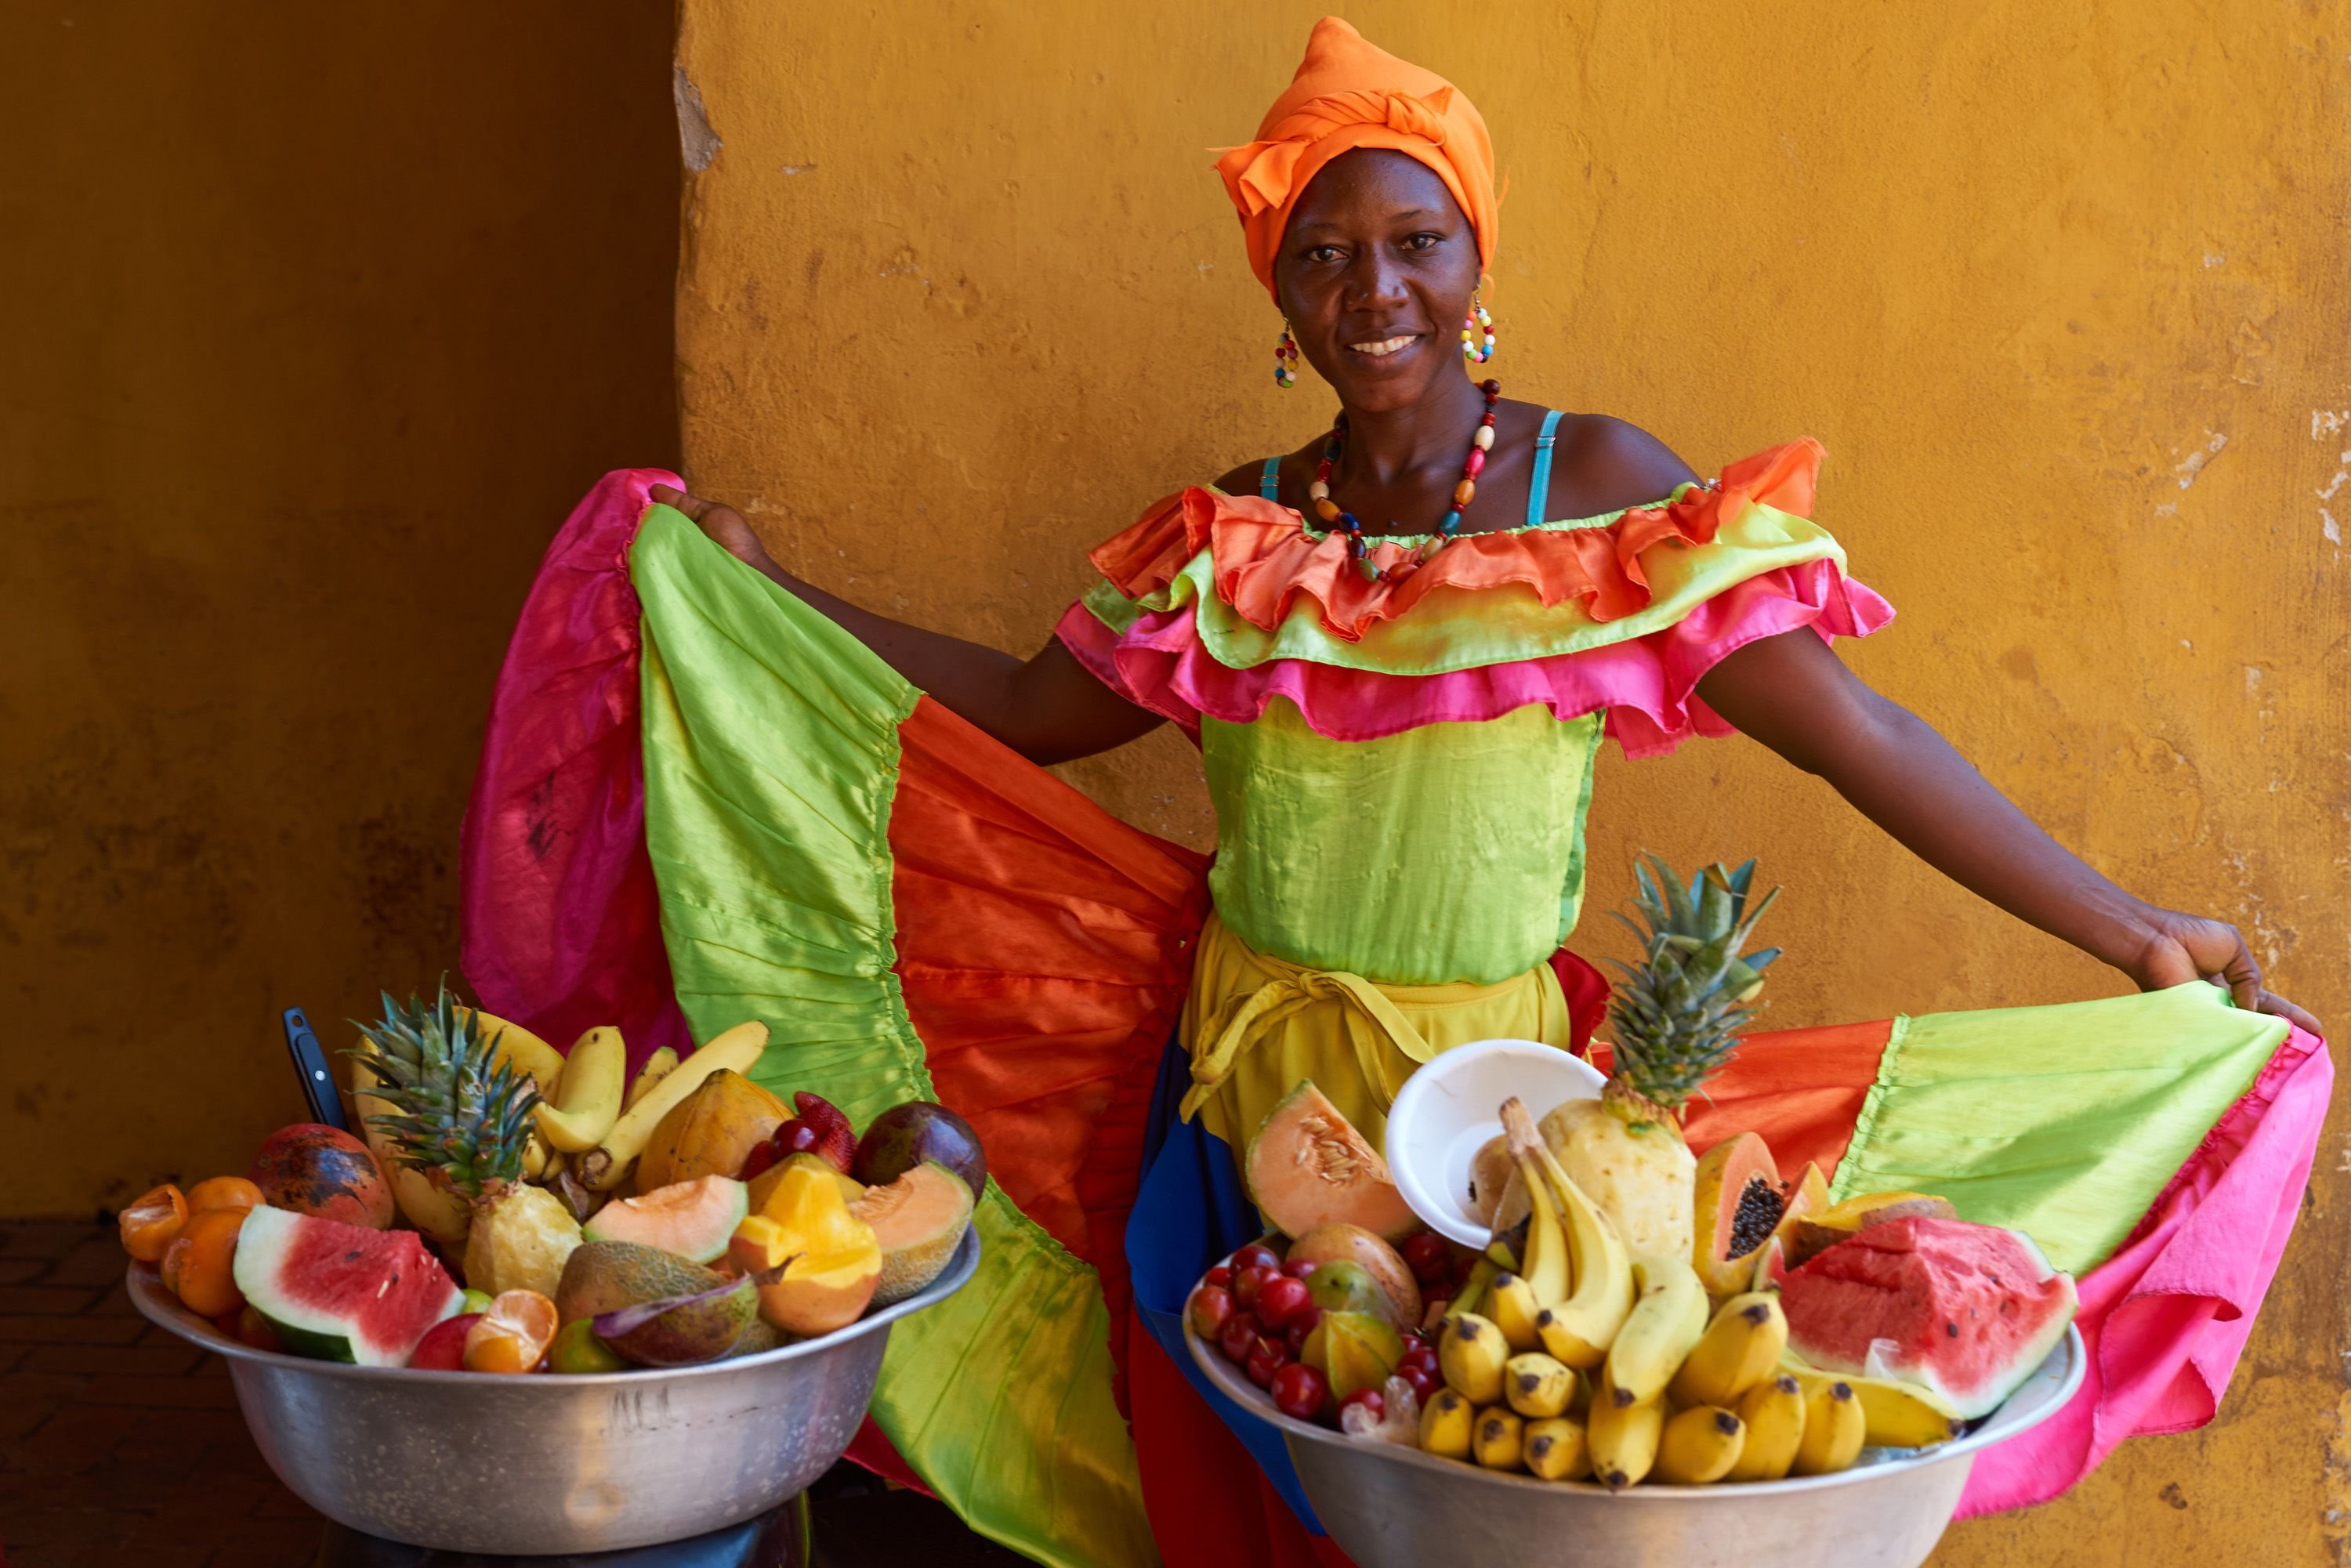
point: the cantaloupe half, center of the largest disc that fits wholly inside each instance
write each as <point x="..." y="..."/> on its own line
<point x="1308" y="1166"/>
<point x="918" y="1219"/>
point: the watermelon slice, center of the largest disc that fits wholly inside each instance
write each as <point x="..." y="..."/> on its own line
<point x="341" y="1292"/>
<point x="1965" y="1311"/>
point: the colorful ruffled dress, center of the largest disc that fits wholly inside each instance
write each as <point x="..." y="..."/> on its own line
<point x="701" y="802"/>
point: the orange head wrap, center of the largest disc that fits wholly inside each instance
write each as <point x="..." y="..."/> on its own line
<point x="1349" y="94"/>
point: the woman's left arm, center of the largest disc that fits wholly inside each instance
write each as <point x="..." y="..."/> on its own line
<point x="1796" y="696"/>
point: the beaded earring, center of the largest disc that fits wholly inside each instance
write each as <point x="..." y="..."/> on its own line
<point x="1285" y="358"/>
<point x="1476" y="332"/>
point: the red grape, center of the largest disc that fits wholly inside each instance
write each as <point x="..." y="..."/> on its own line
<point x="1423" y="1380"/>
<point x="1220" y="1277"/>
<point x="1210" y="1307"/>
<point x="1428" y="1256"/>
<point x="1250" y="1281"/>
<point x="1299" y="1392"/>
<point x="1294" y="1336"/>
<point x="1419" y="1353"/>
<point x="1279" y="1300"/>
<point x="1254" y="1256"/>
<point x="1235" y="1338"/>
<point x="1304" y="1319"/>
<point x="1298" y="1268"/>
<point x="1371" y="1399"/>
<point x="1266" y="1357"/>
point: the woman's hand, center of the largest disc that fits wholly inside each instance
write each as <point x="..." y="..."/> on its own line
<point x="723" y="524"/>
<point x="2186" y="947"/>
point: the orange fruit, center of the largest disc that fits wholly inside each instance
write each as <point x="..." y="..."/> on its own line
<point x="222" y="1192"/>
<point x="200" y="1266"/>
<point x="513" y="1335"/>
<point x="150" y="1225"/>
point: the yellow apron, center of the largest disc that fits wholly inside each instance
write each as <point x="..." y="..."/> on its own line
<point x="1256" y="1025"/>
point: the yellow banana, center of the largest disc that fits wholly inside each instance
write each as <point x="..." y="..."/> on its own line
<point x="658" y="1066"/>
<point x="594" y="1077"/>
<point x="1470" y="1354"/>
<point x="1900" y="1416"/>
<point x="535" y="1152"/>
<point x="1537" y="1387"/>
<point x="1578" y="1329"/>
<point x="1471" y="1297"/>
<point x="1624" y="1438"/>
<point x="1739" y="1349"/>
<point x="1557" y="1449"/>
<point x="1447" y="1424"/>
<point x="1511" y="1302"/>
<point x="604" y="1166"/>
<point x="1834" y="1427"/>
<point x="1774" y="1413"/>
<point x="1664" y="1327"/>
<point x="1546" y="1266"/>
<point x="1500" y="1440"/>
<point x="1699" y="1446"/>
<point x="510" y="1042"/>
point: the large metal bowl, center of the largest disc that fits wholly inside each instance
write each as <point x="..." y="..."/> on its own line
<point x="520" y="1465"/>
<point x="1391" y="1506"/>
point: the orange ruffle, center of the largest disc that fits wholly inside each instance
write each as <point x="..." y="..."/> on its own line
<point x="1264" y="559"/>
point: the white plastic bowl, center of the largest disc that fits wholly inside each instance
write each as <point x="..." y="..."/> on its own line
<point x="1452" y="1107"/>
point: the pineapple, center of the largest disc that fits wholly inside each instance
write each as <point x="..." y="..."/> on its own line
<point x="462" y="1118"/>
<point x="1674" y="1016"/>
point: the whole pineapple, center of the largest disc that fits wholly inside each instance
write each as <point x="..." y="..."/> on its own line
<point x="461" y="1117"/>
<point x="1674" y="1016"/>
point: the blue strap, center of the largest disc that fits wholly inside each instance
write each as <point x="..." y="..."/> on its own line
<point x="1538" y="487"/>
<point x="1268" y="483"/>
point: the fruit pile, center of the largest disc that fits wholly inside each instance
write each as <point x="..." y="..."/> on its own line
<point x="1639" y="1315"/>
<point x="596" y="1225"/>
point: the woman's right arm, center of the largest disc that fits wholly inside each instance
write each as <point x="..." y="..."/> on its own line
<point x="1049" y="708"/>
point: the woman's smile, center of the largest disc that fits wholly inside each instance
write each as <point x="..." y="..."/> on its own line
<point x="1382" y="348"/>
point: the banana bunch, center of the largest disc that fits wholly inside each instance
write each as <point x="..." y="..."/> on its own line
<point x="1579" y="1360"/>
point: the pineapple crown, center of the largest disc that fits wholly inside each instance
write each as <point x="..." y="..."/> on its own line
<point x="462" y="1113"/>
<point x="1676" y="1014"/>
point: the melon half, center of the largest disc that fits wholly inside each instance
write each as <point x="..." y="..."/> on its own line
<point x="341" y="1292"/>
<point x="1307" y="1167"/>
<point x="1968" y="1311"/>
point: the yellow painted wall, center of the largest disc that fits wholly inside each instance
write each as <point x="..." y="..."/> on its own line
<point x="314" y="320"/>
<point x="2061" y="287"/>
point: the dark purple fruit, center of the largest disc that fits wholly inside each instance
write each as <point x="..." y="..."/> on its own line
<point x="903" y="1136"/>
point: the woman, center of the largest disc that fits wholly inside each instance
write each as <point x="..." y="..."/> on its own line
<point x="1397" y="647"/>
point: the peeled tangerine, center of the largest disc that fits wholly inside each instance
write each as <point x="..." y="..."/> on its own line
<point x="826" y="1262"/>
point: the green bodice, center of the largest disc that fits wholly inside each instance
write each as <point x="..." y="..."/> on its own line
<point x="1449" y="852"/>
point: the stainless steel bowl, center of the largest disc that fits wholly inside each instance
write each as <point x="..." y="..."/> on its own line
<point x="1391" y="1506"/>
<point x="520" y="1465"/>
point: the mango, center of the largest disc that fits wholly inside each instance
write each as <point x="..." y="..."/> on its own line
<point x="711" y="1132"/>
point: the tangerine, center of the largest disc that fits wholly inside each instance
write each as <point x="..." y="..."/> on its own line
<point x="201" y="1264"/>
<point x="150" y="1225"/>
<point x="222" y="1192"/>
<point x="513" y="1335"/>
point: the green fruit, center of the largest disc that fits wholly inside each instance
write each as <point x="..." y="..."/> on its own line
<point x="477" y="1301"/>
<point x="577" y="1349"/>
<point x="1360" y="1350"/>
<point x="1344" y="1287"/>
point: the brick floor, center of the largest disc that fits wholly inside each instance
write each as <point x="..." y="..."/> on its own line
<point x="121" y="1444"/>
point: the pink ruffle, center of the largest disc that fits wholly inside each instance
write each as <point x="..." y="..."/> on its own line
<point x="561" y="921"/>
<point x="1648" y="686"/>
<point x="2167" y="1317"/>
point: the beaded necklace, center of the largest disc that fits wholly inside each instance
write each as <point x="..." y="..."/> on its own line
<point x="1482" y="442"/>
